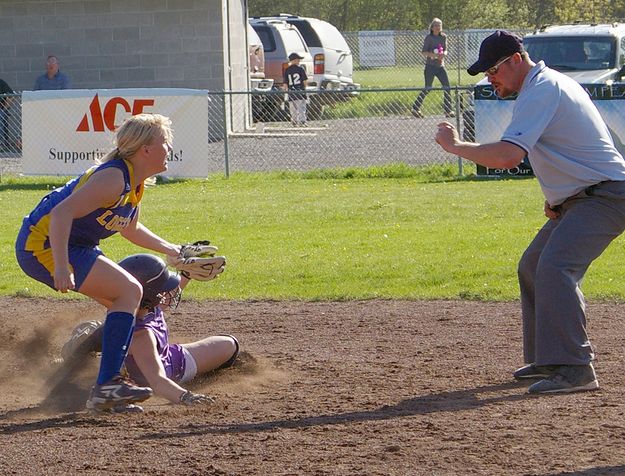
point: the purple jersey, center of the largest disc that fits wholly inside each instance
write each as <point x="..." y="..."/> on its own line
<point x="170" y="354"/>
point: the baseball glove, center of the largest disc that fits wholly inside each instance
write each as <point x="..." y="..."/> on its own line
<point x="198" y="261"/>
<point x="202" y="269"/>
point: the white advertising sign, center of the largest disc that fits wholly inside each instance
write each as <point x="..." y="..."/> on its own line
<point x="63" y="132"/>
<point x="376" y="48"/>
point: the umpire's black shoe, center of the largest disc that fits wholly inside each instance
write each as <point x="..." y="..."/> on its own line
<point x="566" y="379"/>
<point x="534" y="371"/>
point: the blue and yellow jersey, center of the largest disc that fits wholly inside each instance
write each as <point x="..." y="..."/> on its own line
<point x="88" y="230"/>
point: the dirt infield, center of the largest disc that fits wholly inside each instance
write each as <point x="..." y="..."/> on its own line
<point x="349" y="388"/>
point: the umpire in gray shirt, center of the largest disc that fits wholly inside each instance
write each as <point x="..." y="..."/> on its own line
<point x="582" y="176"/>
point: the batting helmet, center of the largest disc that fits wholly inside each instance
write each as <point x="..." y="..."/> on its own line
<point x="160" y="286"/>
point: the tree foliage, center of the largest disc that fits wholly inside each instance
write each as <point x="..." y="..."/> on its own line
<point x="355" y="15"/>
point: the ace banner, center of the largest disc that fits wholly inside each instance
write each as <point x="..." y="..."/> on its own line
<point x="64" y="132"/>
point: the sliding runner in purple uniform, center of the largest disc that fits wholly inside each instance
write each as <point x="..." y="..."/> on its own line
<point x="152" y="360"/>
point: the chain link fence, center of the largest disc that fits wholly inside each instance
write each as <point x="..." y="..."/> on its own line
<point x="365" y="128"/>
<point x="394" y="59"/>
<point x="368" y="127"/>
<point x="10" y="132"/>
<point x="359" y="129"/>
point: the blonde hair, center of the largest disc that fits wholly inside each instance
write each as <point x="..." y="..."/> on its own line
<point x="137" y="131"/>
<point x="434" y="22"/>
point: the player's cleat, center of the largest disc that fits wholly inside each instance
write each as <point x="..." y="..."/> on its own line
<point x="534" y="371"/>
<point x="86" y="337"/>
<point x="117" y="392"/>
<point x="417" y="113"/>
<point x="567" y="378"/>
<point x="130" y="408"/>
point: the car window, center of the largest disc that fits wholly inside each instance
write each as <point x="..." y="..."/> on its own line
<point x="573" y="52"/>
<point x="330" y="36"/>
<point x="264" y="33"/>
<point x="310" y="36"/>
<point x="293" y="40"/>
<point x="252" y="37"/>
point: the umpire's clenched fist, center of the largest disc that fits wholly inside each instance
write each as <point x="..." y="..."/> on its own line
<point x="446" y="135"/>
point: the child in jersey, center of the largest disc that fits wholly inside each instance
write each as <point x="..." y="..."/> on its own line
<point x="295" y="79"/>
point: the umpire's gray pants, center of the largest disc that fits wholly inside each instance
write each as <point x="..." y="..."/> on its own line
<point x="552" y="268"/>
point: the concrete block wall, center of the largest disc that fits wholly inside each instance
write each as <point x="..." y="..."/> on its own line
<point x="126" y="43"/>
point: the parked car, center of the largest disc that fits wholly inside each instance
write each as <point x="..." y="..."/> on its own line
<point x="258" y="82"/>
<point x="333" y="67"/>
<point x="592" y="54"/>
<point x="279" y="40"/>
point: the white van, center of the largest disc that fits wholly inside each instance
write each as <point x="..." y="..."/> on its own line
<point x="332" y="58"/>
<point x="261" y="101"/>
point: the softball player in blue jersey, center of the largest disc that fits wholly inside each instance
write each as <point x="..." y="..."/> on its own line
<point x="58" y="243"/>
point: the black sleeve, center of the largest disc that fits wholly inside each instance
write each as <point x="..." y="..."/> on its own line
<point x="5" y="88"/>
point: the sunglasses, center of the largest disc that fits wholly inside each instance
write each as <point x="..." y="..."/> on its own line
<point x="493" y="69"/>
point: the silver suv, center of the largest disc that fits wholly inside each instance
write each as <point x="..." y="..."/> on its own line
<point x="587" y="53"/>
<point x="280" y="39"/>
<point x="333" y="68"/>
<point x="332" y="57"/>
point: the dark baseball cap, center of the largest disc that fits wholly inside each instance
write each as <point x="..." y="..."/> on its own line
<point x="495" y="47"/>
<point x="293" y="56"/>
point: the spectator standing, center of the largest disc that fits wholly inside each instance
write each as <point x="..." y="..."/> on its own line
<point x="295" y="79"/>
<point x="434" y="50"/>
<point x="53" y="78"/>
<point x="256" y="62"/>
<point x="5" y="103"/>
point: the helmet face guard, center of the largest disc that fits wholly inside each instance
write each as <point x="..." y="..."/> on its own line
<point x="160" y="286"/>
<point x="170" y="299"/>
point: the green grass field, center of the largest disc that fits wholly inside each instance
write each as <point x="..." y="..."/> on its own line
<point x="392" y="232"/>
<point x="384" y="103"/>
<point x="407" y="77"/>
